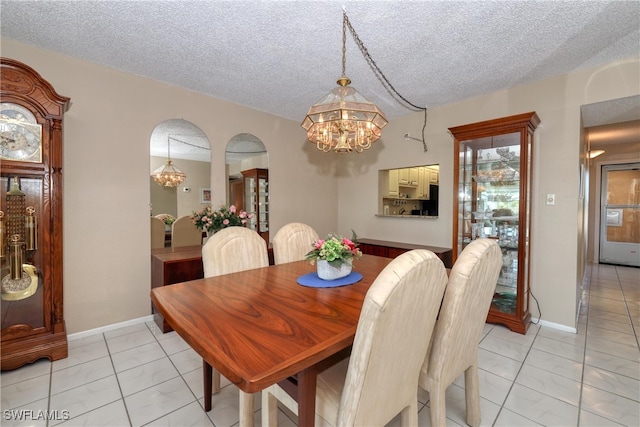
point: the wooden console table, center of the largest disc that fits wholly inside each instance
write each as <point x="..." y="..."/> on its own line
<point x="393" y="249"/>
<point x="169" y="266"/>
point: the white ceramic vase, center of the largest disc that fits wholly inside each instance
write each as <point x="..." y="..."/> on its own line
<point x="328" y="272"/>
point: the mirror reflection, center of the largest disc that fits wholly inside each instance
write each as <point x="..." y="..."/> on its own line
<point x="410" y="191"/>
<point x="247" y="163"/>
<point x="189" y="150"/>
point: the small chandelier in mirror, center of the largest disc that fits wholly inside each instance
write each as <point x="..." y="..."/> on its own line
<point x="168" y="175"/>
<point x="344" y="120"/>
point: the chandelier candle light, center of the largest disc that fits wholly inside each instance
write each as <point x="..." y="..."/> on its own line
<point x="168" y="175"/>
<point x="344" y="120"/>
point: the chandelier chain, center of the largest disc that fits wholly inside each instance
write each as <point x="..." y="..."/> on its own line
<point x="373" y="64"/>
<point x="378" y="72"/>
<point x="190" y="144"/>
<point x="344" y="43"/>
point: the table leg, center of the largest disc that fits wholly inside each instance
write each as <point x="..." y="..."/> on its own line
<point x="307" y="396"/>
<point x="207" y="373"/>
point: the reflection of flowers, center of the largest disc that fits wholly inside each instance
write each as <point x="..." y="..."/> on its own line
<point x="211" y="221"/>
<point x="335" y="249"/>
<point x="166" y="218"/>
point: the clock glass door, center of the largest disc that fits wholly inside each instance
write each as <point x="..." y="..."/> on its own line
<point x="21" y="267"/>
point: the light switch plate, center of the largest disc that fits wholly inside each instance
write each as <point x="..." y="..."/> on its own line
<point x="551" y="200"/>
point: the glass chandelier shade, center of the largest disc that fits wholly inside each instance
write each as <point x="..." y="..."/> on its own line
<point x="168" y="175"/>
<point x="344" y="121"/>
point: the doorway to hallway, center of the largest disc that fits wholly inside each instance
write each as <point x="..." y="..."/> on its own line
<point x="620" y="214"/>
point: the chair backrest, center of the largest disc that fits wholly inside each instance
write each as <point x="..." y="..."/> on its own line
<point x="465" y="306"/>
<point x="392" y="337"/>
<point x="234" y="249"/>
<point x="292" y="242"/>
<point x="157" y="233"/>
<point x="185" y="233"/>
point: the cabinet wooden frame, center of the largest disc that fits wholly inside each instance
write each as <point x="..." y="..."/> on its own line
<point x="525" y="125"/>
<point x="21" y="342"/>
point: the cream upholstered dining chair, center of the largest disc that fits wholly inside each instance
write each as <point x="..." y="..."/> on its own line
<point x="157" y="233"/>
<point x="230" y="250"/>
<point x="454" y="345"/>
<point x="185" y="233"/>
<point x="380" y="378"/>
<point x="292" y="242"/>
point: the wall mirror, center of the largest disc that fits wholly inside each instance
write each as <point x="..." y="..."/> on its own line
<point x="247" y="163"/>
<point x="190" y="152"/>
<point x="409" y="192"/>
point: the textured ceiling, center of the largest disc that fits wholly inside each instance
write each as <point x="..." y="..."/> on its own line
<point x="283" y="56"/>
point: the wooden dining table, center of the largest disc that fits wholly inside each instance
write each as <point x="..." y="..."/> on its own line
<point x="260" y="327"/>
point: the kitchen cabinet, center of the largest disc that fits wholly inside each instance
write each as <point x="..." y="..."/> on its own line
<point x="413" y="177"/>
<point x="393" y="183"/>
<point x="256" y="202"/>
<point x="423" y="182"/>
<point x="433" y="176"/>
<point x="492" y="190"/>
<point x="403" y="176"/>
<point x="31" y="232"/>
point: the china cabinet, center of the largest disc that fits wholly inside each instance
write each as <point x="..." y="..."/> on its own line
<point x="256" y="200"/>
<point x="492" y="188"/>
<point x="31" y="217"/>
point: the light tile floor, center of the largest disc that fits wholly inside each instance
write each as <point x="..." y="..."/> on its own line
<point x="137" y="376"/>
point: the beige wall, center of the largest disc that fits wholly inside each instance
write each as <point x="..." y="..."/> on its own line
<point x="112" y="115"/>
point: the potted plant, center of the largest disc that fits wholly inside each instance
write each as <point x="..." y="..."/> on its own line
<point x="334" y="256"/>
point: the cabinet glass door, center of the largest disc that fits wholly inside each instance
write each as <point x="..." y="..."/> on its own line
<point x="250" y="201"/>
<point x="256" y="189"/>
<point x="492" y="187"/>
<point x="22" y="291"/>
<point x="263" y="201"/>
<point x="490" y="205"/>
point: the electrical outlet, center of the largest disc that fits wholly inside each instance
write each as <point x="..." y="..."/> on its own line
<point x="551" y="200"/>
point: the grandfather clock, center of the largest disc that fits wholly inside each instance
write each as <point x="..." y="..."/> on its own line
<point x="31" y="114"/>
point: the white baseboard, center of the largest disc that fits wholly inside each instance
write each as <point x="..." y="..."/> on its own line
<point x="111" y="327"/>
<point x="554" y="325"/>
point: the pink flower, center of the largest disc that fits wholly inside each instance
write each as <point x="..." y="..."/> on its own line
<point x="225" y="222"/>
<point x="243" y="214"/>
<point x="318" y="244"/>
<point x="232" y="208"/>
<point x="348" y="242"/>
<point x="244" y="221"/>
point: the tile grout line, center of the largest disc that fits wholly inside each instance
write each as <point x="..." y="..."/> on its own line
<point x="181" y="377"/>
<point x="584" y="350"/>
<point x="115" y="373"/>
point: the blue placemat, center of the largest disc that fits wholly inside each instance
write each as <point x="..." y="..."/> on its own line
<point x="313" y="281"/>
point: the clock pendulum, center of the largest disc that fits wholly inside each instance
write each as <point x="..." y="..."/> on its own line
<point x="22" y="280"/>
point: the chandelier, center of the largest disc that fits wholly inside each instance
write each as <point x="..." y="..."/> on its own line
<point x="168" y="175"/>
<point x="344" y="120"/>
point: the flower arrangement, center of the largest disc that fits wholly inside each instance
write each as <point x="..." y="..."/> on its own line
<point x="167" y="219"/>
<point x="335" y="249"/>
<point x="212" y="221"/>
